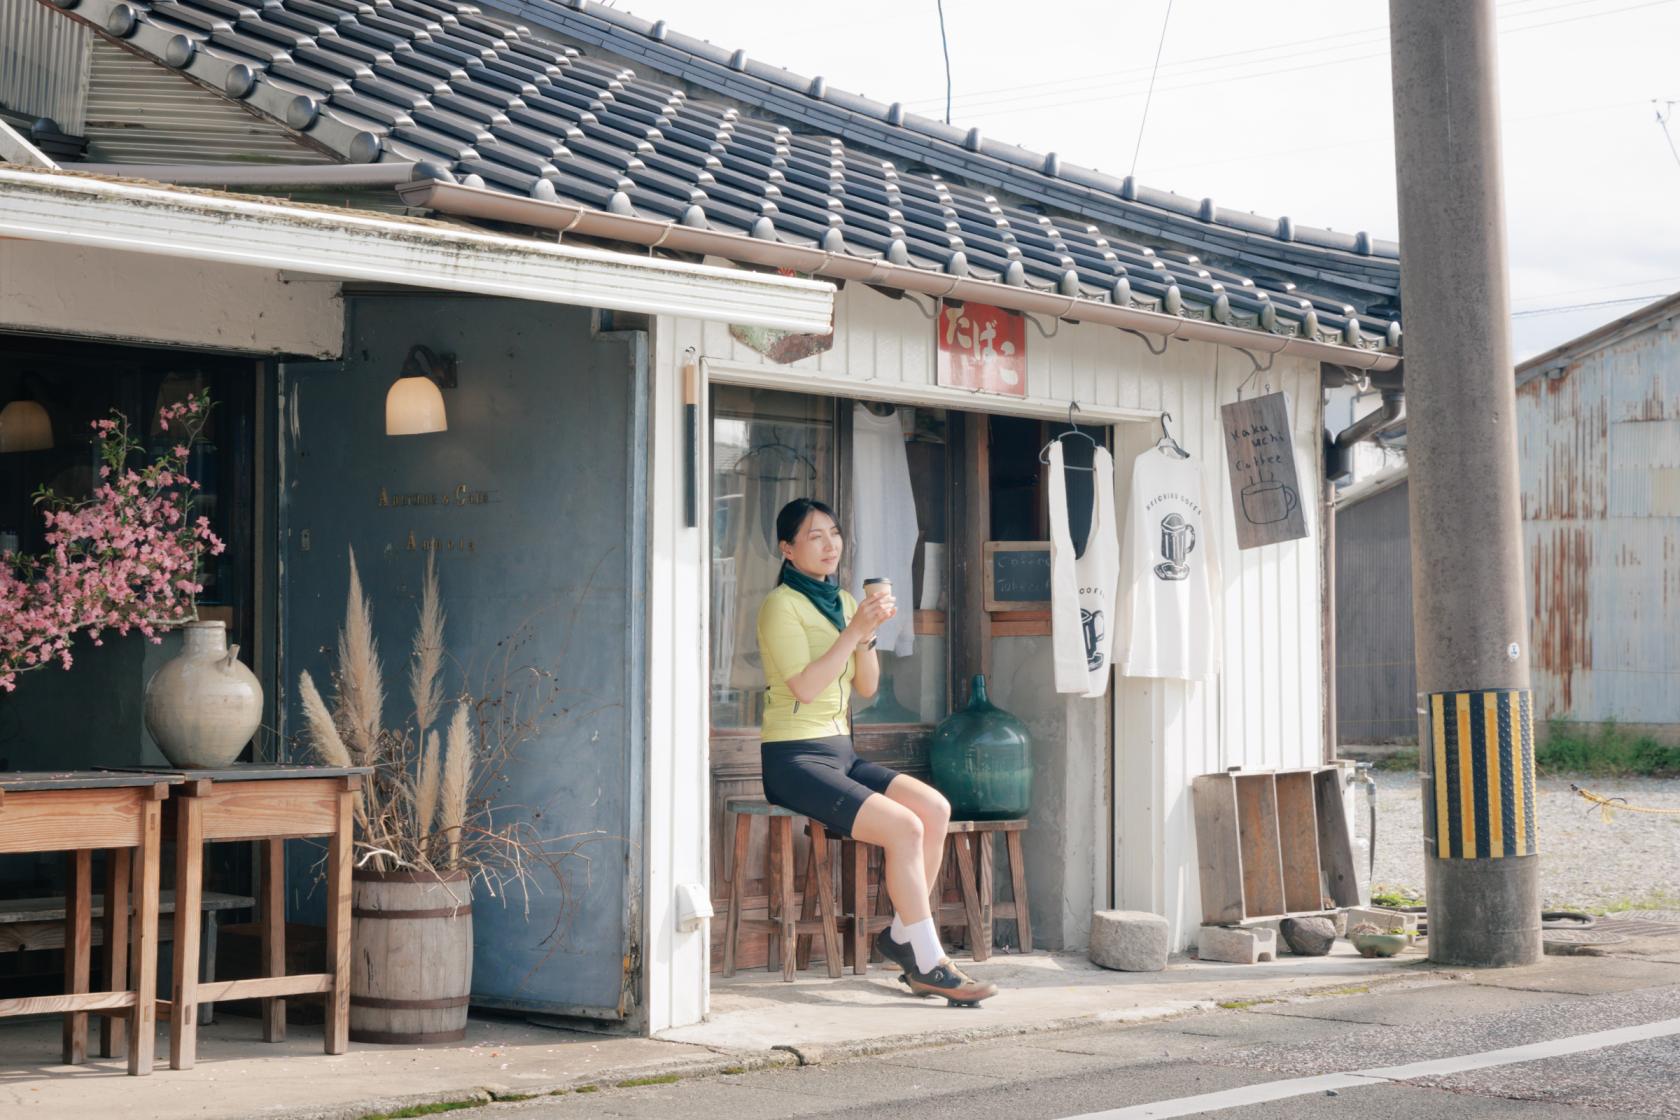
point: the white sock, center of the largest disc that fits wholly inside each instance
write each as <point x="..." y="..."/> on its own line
<point x="924" y="939"/>
<point x="897" y="930"/>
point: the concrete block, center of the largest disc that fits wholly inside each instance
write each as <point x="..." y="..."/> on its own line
<point x="1236" y="946"/>
<point x="1383" y="919"/>
<point x="1129" y="940"/>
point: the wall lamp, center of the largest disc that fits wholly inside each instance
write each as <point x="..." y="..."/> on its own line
<point x="414" y="404"/>
<point x="25" y="425"/>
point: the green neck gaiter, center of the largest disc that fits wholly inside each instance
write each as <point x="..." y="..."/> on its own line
<point x="824" y="595"/>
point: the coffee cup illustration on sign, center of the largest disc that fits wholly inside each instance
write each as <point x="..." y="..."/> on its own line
<point x="1266" y="502"/>
<point x="1178" y="541"/>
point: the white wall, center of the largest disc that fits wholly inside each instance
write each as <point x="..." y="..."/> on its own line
<point x="678" y="841"/>
<point x="1264" y="711"/>
<point x="137" y="297"/>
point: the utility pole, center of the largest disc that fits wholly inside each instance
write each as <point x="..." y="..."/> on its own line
<point x="1470" y="611"/>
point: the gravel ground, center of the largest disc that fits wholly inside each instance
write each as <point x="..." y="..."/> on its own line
<point x="1585" y="862"/>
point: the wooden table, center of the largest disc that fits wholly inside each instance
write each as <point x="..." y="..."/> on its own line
<point x="79" y="812"/>
<point x="268" y="804"/>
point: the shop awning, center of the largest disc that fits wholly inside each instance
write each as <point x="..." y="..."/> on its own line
<point x="67" y="208"/>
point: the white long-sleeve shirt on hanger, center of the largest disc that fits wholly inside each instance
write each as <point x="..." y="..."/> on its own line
<point x="883" y="529"/>
<point x="1170" y="588"/>
<point x="1083" y="586"/>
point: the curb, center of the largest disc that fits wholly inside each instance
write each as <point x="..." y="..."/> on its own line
<point x="791" y="1055"/>
<point x="751" y="1061"/>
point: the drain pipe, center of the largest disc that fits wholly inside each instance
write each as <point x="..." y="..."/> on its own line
<point x="1340" y="461"/>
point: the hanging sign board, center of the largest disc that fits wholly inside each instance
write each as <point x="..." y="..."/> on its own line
<point x="981" y="348"/>
<point x="1265" y="492"/>
<point x="1017" y="575"/>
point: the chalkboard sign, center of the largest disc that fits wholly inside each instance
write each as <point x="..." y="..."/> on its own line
<point x="1017" y="575"/>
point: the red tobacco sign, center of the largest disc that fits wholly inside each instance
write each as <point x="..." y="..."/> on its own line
<point x="983" y="348"/>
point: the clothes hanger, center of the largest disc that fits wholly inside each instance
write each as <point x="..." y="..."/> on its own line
<point x="776" y="443"/>
<point x="1167" y="438"/>
<point x="1044" y="452"/>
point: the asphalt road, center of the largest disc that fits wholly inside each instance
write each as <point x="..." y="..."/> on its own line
<point x="1281" y="1050"/>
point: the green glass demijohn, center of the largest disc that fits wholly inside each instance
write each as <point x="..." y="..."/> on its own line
<point x="982" y="761"/>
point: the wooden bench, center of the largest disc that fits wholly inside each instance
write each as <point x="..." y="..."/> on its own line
<point x="785" y="928"/>
<point x="28" y="924"/>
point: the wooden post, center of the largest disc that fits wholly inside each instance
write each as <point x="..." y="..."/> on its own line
<point x="988" y="889"/>
<point x="273" y="908"/>
<point x="78" y="949"/>
<point x="143" y="962"/>
<point x="784" y="886"/>
<point x="189" y="889"/>
<point x="113" y="1028"/>
<point x="737" y="891"/>
<point x="969" y="626"/>
<point x="340" y="859"/>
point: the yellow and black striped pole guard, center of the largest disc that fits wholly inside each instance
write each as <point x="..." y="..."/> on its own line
<point x="1479" y="752"/>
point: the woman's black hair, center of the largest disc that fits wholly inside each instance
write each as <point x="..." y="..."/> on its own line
<point x="793" y="515"/>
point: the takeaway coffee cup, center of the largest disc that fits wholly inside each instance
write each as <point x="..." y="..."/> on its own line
<point x="877" y="585"/>
<point x="1269" y="501"/>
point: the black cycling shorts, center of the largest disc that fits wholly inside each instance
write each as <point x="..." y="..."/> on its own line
<point x="823" y="779"/>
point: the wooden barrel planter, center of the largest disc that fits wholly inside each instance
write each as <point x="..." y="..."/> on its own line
<point x="411" y="940"/>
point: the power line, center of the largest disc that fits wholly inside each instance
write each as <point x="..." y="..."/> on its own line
<point x="945" y="45"/>
<point x="1663" y="113"/>
<point x="1294" y="47"/>
<point x="1589" y="306"/>
<point x="1008" y="104"/>
<point x="1159" y="47"/>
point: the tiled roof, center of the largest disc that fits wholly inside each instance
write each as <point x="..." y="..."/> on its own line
<point x="484" y="100"/>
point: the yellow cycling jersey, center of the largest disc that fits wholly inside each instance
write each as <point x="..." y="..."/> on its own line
<point x="792" y="633"/>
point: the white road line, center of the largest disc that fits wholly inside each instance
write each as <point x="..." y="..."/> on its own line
<point x="1268" y="1091"/>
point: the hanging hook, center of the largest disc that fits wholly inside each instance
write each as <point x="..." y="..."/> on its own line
<point x="1167" y="437"/>
<point x="1164" y="340"/>
<point x="1041" y="330"/>
<point x="1073" y="407"/>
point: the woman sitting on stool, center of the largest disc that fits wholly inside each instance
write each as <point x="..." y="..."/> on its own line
<point x="818" y="646"/>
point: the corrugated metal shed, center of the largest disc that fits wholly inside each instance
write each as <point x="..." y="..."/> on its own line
<point x="43" y="64"/>
<point x="1599" y="439"/>
<point x="1376" y="666"/>
<point x="1598" y="436"/>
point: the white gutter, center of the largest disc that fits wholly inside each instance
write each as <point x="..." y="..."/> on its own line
<point x="565" y="217"/>
<point x="197" y="225"/>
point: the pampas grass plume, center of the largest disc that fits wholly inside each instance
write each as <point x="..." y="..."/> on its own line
<point x="426" y="792"/>
<point x="323" y="734"/>
<point x="457" y="774"/>
<point x="361" y="681"/>
<point x="423" y="682"/>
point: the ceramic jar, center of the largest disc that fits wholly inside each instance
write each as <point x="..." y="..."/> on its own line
<point x="982" y="761"/>
<point x="203" y="705"/>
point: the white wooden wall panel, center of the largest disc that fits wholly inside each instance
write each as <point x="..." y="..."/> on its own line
<point x="1264" y="712"/>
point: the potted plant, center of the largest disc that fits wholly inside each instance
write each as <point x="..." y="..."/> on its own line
<point x="1374" y="942"/>
<point x="127" y="558"/>
<point x="426" y="833"/>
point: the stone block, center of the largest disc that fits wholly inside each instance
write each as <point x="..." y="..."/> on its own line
<point x="1236" y="946"/>
<point x="1129" y="940"/>
<point x="1308" y="937"/>
<point x="1383" y="919"/>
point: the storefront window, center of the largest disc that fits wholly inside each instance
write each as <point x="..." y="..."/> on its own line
<point x="767" y="449"/>
<point x="884" y="470"/>
<point x="913" y="659"/>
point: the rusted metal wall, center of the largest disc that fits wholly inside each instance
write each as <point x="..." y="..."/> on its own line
<point x="1599" y="438"/>
<point x="1376" y="666"/>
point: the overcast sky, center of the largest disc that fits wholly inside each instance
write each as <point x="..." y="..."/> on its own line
<point x="1285" y="109"/>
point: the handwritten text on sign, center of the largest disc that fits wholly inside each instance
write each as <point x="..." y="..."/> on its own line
<point x="1265" y="492"/>
<point x="982" y="348"/>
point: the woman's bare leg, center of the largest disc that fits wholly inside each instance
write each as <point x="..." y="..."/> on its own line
<point x="934" y="811"/>
<point x="901" y="835"/>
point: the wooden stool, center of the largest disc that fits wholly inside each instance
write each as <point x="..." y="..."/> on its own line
<point x="979" y="910"/>
<point x="858" y="919"/>
<point x="784" y="928"/>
